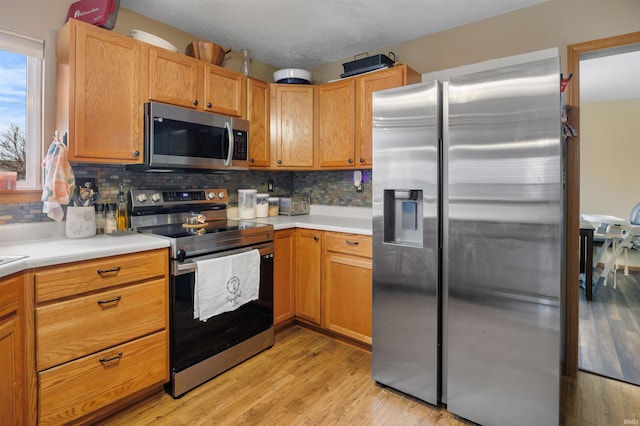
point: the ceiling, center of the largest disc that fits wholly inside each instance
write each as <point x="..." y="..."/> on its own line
<point x="305" y="34"/>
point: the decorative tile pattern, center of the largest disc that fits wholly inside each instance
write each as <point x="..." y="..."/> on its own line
<point x="324" y="187"/>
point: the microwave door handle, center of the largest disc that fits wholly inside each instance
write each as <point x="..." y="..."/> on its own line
<point x="230" y="153"/>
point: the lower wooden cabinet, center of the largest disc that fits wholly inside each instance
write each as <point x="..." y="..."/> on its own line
<point x="100" y="333"/>
<point x="284" y="303"/>
<point x="308" y="274"/>
<point x="12" y="353"/>
<point x="347" y="294"/>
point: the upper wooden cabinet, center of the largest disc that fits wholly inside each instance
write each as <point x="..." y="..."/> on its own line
<point x="397" y="76"/>
<point x="258" y="116"/>
<point x="98" y="102"/>
<point x="292" y="139"/>
<point x="336" y="124"/>
<point x="188" y="82"/>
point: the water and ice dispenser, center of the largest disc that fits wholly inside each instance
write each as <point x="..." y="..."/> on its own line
<point x="403" y="222"/>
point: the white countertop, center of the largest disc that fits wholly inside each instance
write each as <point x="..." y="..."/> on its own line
<point x="352" y="220"/>
<point x="45" y="243"/>
<point x="54" y="248"/>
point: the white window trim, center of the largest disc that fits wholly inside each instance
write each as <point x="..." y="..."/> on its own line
<point x="33" y="48"/>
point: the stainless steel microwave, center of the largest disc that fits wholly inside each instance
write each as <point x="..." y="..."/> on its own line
<point x="183" y="139"/>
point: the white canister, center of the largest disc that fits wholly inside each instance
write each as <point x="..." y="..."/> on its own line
<point x="262" y="205"/>
<point x="81" y="222"/>
<point x="247" y="203"/>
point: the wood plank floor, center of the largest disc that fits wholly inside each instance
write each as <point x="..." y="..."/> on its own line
<point x="609" y="329"/>
<point x="310" y="379"/>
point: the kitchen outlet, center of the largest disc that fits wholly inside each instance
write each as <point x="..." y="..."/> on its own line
<point x="357" y="180"/>
<point x="270" y="185"/>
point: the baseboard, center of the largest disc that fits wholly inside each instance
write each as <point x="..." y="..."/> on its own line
<point x="316" y="329"/>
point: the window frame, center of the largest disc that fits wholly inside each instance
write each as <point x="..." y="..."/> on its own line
<point x="33" y="48"/>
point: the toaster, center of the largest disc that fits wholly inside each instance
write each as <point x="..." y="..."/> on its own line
<point x="292" y="206"/>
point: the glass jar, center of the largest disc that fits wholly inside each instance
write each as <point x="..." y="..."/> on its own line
<point x="245" y="66"/>
<point x="262" y="205"/>
<point x="274" y="206"/>
<point x="99" y="219"/>
<point x="247" y="203"/>
<point x="110" y="223"/>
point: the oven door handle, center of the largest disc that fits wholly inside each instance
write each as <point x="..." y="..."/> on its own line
<point x="191" y="266"/>
<point x="227" y="127"/>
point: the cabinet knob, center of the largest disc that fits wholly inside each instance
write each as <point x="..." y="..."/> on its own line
<point x="195" y="102"/>
<point x="361" y="160"/>
<point x="209" y="105"/>
<point x="279" y="161"/>
<point x="252" y="160"/>
<point x="350" y="160"/>
<point x="316" y="238"/>
<point x="136" y="154"/>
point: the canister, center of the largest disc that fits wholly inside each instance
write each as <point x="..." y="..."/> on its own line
<point x="274" y="206"/>
<point x="262" y="205"/>
<point x="247" y="203"/>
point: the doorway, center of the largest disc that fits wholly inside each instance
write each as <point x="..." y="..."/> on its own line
<point x="579" y="148"/>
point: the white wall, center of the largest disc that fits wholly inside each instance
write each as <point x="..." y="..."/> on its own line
<point x="610" y="157"/>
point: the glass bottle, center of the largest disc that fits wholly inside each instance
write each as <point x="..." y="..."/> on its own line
<point x="100" y="219"/>
<point x="110" y="224"/>
<point x="245" y="67"/>
<point x="122" y="213"/>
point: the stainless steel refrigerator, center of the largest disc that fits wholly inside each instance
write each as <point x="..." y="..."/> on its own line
<point x="468" y="243"/>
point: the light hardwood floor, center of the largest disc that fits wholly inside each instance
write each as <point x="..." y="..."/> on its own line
<point x="609" y="329"/>
<point x="308" y="378"/>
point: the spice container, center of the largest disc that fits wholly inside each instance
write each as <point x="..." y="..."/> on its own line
<point x="110" y="223"/>
<point x="274" y="206"/>
<point x="262" y="205"/>
<point x="99" y="219"/>
<point x="247" y="203"/>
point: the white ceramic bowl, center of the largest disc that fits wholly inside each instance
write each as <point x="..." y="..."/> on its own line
<point x="292" y="73"/>
<point x="153" y="39"/>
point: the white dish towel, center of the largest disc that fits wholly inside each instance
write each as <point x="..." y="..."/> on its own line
<point x="225" y="283"/>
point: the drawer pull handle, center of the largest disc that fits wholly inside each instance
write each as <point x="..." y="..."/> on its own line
<point x="352" y="243"/>
<point x="113" y="358"/>
<point x="104" y="302"/>
<point x="106" y="271"/>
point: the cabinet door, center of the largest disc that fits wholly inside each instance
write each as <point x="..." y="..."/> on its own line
<point x="367" y="84"/>
<point x="258" y="116"/>
<point x="12" y="357"/>
<point x="347" y="290"/>
<point x="283" y="276"/>
<point x="292" y="125"/>
<point x="308" y="278"/>
<point x="99" y="95"/>
<point x="335" y="124"/>
<point x="173" y="78"/>
<point x="224" y="91"/>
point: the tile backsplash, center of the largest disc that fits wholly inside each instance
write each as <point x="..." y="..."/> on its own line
<point x="324" y="187"/>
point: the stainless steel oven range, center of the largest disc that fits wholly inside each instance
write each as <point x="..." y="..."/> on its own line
<point x="196" y="226"/>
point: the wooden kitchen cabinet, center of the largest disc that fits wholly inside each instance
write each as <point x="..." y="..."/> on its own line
<point x="291" y="116"/>
<point x="397" y="76"/>
<point x="347" y="292"/>
<point x="101" y="333"/>
<point x="336" y="124"/>
<point x="98" y="101"/>
<point x="284" y="276"/>
<point x="12" y="352"/>
<point x="258" y="116"/>
<point x="184" y="81"/>
<point x="308" y="274"/>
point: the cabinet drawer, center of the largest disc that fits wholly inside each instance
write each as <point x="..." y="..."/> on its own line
<point x="9" y="294"/>
<point x="72" y="390"/>
<point x="74" y="328"/>
<point x="357" y="245"/>
<point x="77" y="278"/>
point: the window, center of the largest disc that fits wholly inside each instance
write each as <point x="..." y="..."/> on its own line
<point x="21" y="64"/>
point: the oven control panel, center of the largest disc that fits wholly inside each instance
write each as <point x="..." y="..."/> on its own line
<point x="144" y="198"/>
